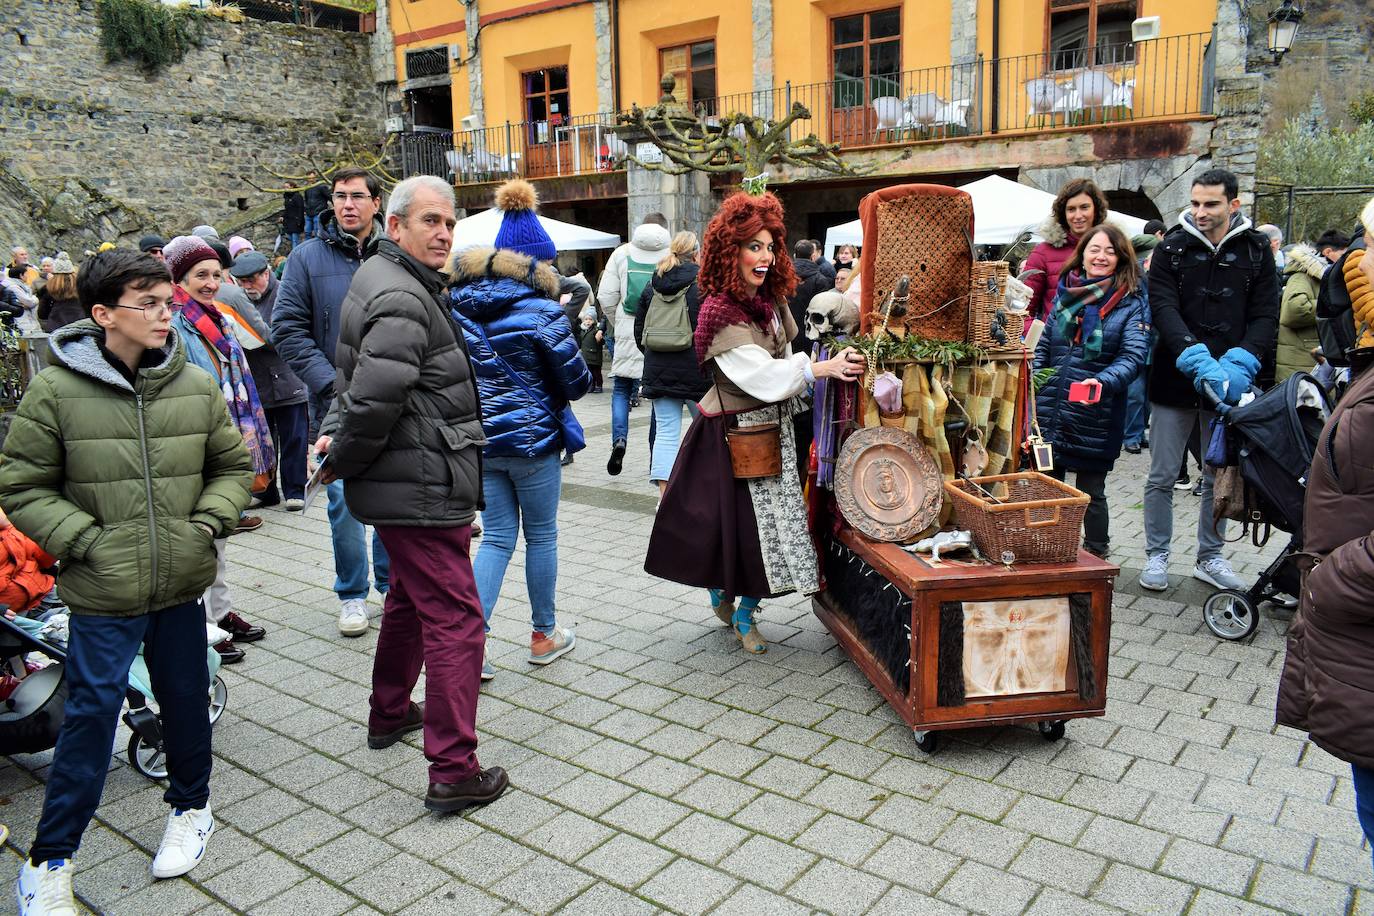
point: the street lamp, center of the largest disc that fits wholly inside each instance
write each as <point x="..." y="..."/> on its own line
<point x="1283" y="29"/>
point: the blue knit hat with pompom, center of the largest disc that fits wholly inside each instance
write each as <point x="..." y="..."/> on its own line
<point x="520" y="227"/>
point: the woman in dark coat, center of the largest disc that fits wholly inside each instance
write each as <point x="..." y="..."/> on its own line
<point x="1327" y="685"/>
<point x="57" y="302"/>
<point x="1097" y="330"/>
<point x="672" y="380"/>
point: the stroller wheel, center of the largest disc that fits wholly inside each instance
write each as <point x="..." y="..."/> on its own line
<point x="219" y="698"/>
<point x="1230" y="614"/>
<point x="148" y="759"/>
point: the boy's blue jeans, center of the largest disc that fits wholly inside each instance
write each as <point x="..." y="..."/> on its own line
<point x="1364" y="799"/>
<point x="622" y="390"/>
<point x="350" y="550"/>
<point x="1137" y="411"/>
<point x="99" y="653"/>
<point x="520" y="493"/>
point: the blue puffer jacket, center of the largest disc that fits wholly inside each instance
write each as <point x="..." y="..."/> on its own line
<point x="305" y="318"/>
<point x="514" y="301"/>
<point x="1087" y="437"/>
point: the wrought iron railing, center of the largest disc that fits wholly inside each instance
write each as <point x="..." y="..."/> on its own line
<point x="340" y="15"/>
<point x="1161" y="78"/>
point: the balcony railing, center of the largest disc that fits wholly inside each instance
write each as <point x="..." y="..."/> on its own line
<point x="1009" y="96"/>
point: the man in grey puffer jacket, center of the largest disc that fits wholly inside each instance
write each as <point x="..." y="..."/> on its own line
<point x="405" y="436"/>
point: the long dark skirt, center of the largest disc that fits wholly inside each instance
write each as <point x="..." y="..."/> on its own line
<point x="705" y="533"/>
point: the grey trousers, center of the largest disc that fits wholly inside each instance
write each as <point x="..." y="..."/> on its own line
<point x="1169" y="429"/>
<point x="217" y="603"/>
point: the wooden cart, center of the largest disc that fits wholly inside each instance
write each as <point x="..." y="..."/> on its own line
<point x="927" y="588"/>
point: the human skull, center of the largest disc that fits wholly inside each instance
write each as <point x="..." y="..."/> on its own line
<point x="830" y="313"/>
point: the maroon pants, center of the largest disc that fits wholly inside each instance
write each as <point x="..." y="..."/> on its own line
<point x="431" y="617"/>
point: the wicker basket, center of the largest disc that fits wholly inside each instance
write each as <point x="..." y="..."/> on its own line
<point x="1037" y="522"/>
<point x="987" y="293"/>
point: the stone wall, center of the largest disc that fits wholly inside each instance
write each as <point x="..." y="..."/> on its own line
<point x="93" y="151"/>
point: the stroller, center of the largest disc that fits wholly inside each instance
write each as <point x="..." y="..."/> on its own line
<point x="1271" y="441"/>
<point x="31" y="715"/>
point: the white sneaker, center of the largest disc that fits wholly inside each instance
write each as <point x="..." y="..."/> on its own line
<point x="1155" y="575"/>
<point x="45" y="889"/>
<point x="183" y="843"/>
<point x="1218" y="573"/>
<point x="294" y="505"/>
<point x="353" y="617"/>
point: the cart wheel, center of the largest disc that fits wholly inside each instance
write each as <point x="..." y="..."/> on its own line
<point x="1230" y="614"/>
<point x="219" y="698"/>
<point x="926" y="741"/>
<point x="1052" y="731"/>
<point x="148" y="759"/>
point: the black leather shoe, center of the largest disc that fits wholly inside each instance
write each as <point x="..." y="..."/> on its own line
<point x="487" y="786"/>
<point x="241" y="630"/>
<point x="617" y="459"/>
<point x="229" y="654"/>
<point x="415" y="720"/>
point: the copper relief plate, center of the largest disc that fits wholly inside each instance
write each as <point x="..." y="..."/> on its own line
<point x="887" y="485"/>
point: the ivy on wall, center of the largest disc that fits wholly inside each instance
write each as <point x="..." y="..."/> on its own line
<point x="148" y="32"/>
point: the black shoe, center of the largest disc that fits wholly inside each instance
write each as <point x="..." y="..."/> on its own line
<point x="1132" y="449"/>
<point x="415" y="720"/>
<point x="241" y="630"/>
<point x="229" y="654"/>
<point x="567" y="460"/>
<point x="487" y="786"/>
<point x="617" y="458"/>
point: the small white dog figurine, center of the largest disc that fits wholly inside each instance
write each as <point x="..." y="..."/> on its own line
<point x="830" y="313"/>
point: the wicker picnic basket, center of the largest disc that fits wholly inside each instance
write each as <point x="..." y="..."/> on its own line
<point x="923" y="232"/>
<point x="1038" y="521"/>
<point x="987" y="294"/>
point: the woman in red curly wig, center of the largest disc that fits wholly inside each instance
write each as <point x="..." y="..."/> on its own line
<point x="744" y="539"/>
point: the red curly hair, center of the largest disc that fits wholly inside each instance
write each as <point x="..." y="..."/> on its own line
<point x="740" y="218"/>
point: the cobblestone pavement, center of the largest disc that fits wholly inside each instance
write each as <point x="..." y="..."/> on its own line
<point x="657" y="768"/>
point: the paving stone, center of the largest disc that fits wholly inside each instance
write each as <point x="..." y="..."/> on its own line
<point x="717" y="795"/>
<point x="1193" y="822"/>
<point x="343" y="858"/>
<point x="1136" y="891"/>
<point x="1208" y="866"/>
<point x="662" y="776"/>
<point x="1286" y="889"/>
<point x="645" y="815"/>
<point x="1123" y="842"/>
<point x="393" y="884"/>
<point x="603" y="900"/>
<point x="972" y="838"/>
<point x="568" y="837"/>
<point x="835" y="888"/>
<point x="919" y="780"/>
<point x="1048" y="819"/>
<point x="911" y="818"/>
<point x="1059" y="866"/>
<point x="543" y="885"/>
<point x="902" y="901"/>
<point x="974" y="797"/>
<point x="767" y="862"/>
<point x="688" y="887"/>
<point x="625" y="860"/>
<point x="256" y="880"/>
<point x="776" y="816"/>
<point x="849" y="759"/>
<point x="704" y="838"/>
<point x="456" y="897"/>
<point x="914" y="865"/>
<point x="1215" y="904"/>
<point x="591" y="794"/>
<point x="485" y="859"/>
<point x="1110" y="798"/>
<point x="786" y="777"/>
<point x="1343" y="862"/>
<point x="840" y="839"/>
<point x="297" y="834"/>
<point x="987" y="890"/>
<point x="750" y="900"/>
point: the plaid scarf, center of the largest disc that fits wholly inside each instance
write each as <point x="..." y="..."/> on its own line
<point x="236" y="382"/>
<point x="1080" y="307"/>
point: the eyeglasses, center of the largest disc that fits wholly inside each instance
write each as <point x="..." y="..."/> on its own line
<point x="357" y="197"/>
<point x="150" y="312"/>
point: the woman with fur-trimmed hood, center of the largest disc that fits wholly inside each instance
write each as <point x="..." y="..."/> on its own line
<point x="1078" y="206"/>
<point x="529" y="366"/>
<point x="1302" y="280"/>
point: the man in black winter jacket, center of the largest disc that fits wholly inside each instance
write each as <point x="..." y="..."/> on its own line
<point x="1214" y="294"/>
<point x="810" y="280"/>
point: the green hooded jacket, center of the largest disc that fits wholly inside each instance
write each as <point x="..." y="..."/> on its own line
<point x="109" y="477"/>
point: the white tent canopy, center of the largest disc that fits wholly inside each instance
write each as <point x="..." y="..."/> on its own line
<point x="481" y="229"/>
<point x="1002" y="210"/>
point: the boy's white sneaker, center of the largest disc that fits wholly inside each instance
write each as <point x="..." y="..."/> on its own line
<point x="45" y="889"/>
<point x="183" y="843"/>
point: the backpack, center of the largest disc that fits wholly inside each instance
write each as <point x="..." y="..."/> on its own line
<point x="1335" y="311"/>
<point x="667" y="327"/>
<point x="637" y="277"/>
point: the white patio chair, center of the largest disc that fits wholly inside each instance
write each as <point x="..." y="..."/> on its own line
<point x="1094" y="88"/>
<point x="953" y="116"/>
<point x="890" y="114"/>
<point x="922" y="109"/>
<point x="1043" y="96"/>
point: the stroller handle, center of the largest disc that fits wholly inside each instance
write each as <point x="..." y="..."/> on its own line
<point x="1217" y="402"/>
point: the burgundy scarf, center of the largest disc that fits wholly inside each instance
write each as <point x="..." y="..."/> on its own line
<point x="718" y="312"/>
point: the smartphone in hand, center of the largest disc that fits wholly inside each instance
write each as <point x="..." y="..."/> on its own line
<point x="1085" y="392"/>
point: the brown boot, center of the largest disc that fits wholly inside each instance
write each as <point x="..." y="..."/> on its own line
<point x="414" y="721"/>
<point x="486" y="786"/>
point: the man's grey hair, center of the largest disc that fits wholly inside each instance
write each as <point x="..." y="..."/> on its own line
<point x="403" y="195"/>
<point x="1274" y="232"/>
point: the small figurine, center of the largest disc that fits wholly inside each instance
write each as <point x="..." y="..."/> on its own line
<point x="948" y="541"/>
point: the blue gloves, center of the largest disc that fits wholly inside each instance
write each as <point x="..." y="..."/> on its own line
<point x="1240" y="367"/>
<point x="1197" y="364"/>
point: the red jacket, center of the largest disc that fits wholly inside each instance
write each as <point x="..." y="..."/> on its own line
<point x="1049" y="256"/>
<point x="23" y="583"/>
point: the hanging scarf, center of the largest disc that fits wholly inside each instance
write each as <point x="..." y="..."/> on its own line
<point x="236" y="382"/>
<point x="718" y="312"/>
<point x="1080" y="307"/>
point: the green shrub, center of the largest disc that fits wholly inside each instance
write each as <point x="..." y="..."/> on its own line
<point x="1362" y="108"/>
<point x="1316" y="159"/>
<point x="150" y="33"/>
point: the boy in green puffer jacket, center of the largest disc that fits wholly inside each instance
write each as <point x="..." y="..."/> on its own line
<point x="122" y="462"/>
